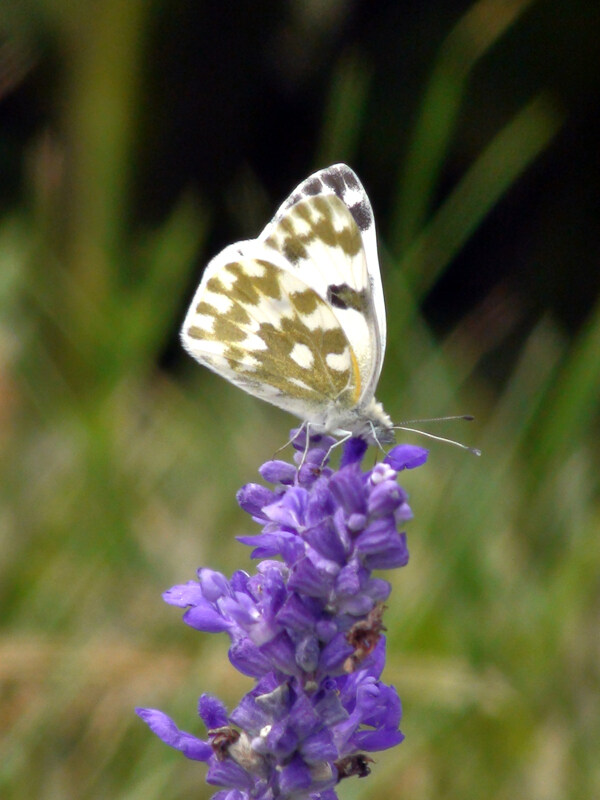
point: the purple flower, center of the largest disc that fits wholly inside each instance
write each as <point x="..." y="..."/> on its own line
<point x="307" y="627"/>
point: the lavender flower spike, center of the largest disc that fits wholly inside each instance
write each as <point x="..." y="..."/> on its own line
<point x="307" y="627"/>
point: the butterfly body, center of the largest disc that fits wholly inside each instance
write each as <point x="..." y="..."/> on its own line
<point x="296" y="317"/>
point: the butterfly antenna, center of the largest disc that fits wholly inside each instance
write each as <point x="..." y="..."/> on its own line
<point x="464" y="417"/>
<point x="428" y="435"/>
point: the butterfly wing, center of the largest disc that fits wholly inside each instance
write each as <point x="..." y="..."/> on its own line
<point x="269" y="332"/>
<point x="326" y="232"/>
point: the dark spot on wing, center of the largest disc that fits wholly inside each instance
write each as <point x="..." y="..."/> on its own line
<point x="312" y="186"/>
<point x="342" y="181"/>
<point x="293" y="250"/>
<point x="344" y="296"/>
<point x="335" y="181"/>
<point x="305" y="302"/>
<point x="350" y="179"/>
<point x="362" y="215"/>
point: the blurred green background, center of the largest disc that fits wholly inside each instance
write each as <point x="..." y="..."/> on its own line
<point x="137" y="138"/>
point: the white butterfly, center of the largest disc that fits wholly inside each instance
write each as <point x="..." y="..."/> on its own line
<point x="296" y="317"/>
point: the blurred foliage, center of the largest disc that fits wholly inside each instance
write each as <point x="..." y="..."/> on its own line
<point x="120" y="461"/>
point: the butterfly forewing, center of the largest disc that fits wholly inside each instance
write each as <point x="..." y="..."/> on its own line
<point x="341" y="181"/>
<point x="320" y="240"/>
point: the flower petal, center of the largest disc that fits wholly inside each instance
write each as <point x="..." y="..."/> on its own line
<point x="406" y="456"/>
<point x="164" y="727"/>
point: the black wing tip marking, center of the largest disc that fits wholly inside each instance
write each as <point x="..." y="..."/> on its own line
<point x="363" y="215"/>
<point x="340" y="178"/>
<point x="342" y="181"/>
<point x="312" y="185"/>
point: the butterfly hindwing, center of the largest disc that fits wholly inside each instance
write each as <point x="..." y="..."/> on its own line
<point x="270" y="333"/>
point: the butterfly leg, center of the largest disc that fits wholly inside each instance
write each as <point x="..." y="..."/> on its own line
<point x="375" y="439"/>
<point x="307" y="443"/>
<point x="292" y="440"/>
<point x="347" y="435"/>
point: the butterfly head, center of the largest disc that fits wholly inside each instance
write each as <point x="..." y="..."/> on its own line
<point x="369" y="422"/>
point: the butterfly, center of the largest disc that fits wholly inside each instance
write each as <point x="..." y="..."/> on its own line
<point x="296" y="316"/>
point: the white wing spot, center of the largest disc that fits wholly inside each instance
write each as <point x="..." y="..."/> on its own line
<point x="302" y="355"/>
<point x="220" y="302"/>
<point x="316" y="321"/>
<point x="301" y="384"/>
<point x="208" y="348"/>
<point x="226" y="278"/>
<point x="251" y="268"/>
<point x="338" y="362"/>
<point x="253" y="342"/>
<point x="202" y="321"/>
<point x="352" y="196"/>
